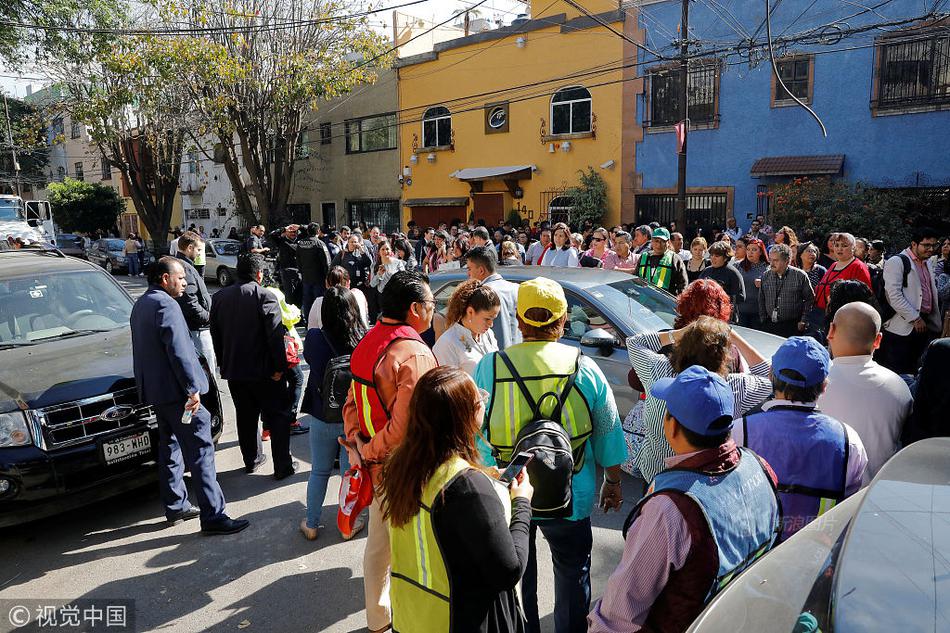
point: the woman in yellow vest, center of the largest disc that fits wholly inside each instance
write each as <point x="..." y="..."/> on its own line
<point x="459" y="537"/>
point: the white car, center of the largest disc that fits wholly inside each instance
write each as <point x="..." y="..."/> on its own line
<point x="221" y="260"/>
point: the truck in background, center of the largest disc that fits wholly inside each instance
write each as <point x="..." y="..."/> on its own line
<point x="28" y="219"/>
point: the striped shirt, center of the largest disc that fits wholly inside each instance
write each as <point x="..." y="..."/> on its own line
<point x="750" y="390"/>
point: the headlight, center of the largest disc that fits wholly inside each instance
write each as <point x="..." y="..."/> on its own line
<point x="13" y="430"/>
<point x="120" y="259"/>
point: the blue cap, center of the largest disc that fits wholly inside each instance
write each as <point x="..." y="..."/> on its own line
<point x="699" y="400"/>
<point x="804" y="355"/>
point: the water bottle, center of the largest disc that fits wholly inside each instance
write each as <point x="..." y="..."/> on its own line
<point x="186" y="416"/>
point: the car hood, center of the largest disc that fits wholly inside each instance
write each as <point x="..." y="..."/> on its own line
<point x="36" y="376"/>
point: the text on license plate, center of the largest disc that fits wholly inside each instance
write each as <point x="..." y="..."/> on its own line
<point x="126" y="447"/>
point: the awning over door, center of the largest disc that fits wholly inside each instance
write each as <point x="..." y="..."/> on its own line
<point x="820" y="165"/>
<point x="436" y="202"/>
<point x="477" y="174"/>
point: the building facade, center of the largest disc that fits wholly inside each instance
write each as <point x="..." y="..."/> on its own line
<point x="882" y="94"/>
<point x="502" y="121"/>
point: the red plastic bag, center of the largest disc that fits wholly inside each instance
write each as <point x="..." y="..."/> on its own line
<point x="356" y="493"/>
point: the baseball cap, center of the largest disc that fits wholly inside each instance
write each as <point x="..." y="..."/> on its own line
<point x="699" y="400"/>
<point x="541" y="293"/>
<point x="661" y="233"/>
<point x="804" y="355"/>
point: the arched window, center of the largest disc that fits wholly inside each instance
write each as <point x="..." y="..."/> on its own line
<point x="437" y="127"/>
<point x="559" y="209"/>
<point x="571" y="111"/>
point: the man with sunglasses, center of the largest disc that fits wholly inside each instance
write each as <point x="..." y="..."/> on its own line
<point x="917" y="319"/>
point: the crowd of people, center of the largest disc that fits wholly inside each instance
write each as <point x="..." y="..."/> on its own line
<point x="434" y="406"/>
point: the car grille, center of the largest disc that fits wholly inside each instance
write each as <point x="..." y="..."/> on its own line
<point x="74" y="422"/>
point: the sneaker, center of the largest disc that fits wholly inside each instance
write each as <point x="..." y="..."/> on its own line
<point x="265" y="435"/>
<point x="298" y="429"/>
<point x="309" y="533"/>
<point x="357" y="527"/>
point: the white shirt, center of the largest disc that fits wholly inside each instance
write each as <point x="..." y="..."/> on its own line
<point x="560" y="257"/>
<point x="871" y="399"/>
<point x="315" y="321"/>
<point x="458" y="348"/>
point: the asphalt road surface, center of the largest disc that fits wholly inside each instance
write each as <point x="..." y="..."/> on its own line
<point x="267" y="578"/>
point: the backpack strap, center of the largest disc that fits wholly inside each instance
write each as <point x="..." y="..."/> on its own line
<point x="520" y="382"/>
<point x="905" y="260"/>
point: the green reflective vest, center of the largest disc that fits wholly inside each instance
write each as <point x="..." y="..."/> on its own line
<point x="544" y="367"/>
<point x="659" y="276"/>
<point x="420" y="592"/>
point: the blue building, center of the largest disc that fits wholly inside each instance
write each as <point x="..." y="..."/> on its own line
<point x="883" y="94"/>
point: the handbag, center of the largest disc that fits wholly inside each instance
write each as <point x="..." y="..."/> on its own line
<point x="588" y="261"/>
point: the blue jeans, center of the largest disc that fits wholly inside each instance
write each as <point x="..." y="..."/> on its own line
<point x="310" y="293"/>
<point x="570" y="543"/>
<point x="132" y="261"/>
<point x="324" y="448"/>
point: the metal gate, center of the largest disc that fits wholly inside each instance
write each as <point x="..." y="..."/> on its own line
<point x="382" y="212"/>
<point x="703" y="210"/>
<point x="555" y="206"/>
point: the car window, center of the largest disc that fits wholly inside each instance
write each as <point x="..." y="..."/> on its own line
<point x="643" y="307"/>
<point x="48" y="306"/>
<point x="227" y="248"/>
<point x="444" y="294"/>
<point x="582" y="317"/>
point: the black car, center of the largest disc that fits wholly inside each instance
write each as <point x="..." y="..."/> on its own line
<point x="72" y="427"/>
<point x="72" y="245"/>
<point x="107" y="252"/>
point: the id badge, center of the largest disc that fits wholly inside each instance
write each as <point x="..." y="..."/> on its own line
<point x="775" y="315"/>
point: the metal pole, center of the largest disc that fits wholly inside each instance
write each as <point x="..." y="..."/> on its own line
<point x="684" y="110"/>
<point x="16" y="165"/>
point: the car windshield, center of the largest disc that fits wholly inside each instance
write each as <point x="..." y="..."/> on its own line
<point x="227" y="248"/>
<point x="645" y="308"/>
<point x="43" y="307"/>
<point x="114" y="244"/>
<point x="10" y="209"/>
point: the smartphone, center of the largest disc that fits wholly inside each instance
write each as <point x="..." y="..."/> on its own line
<point x="515" y="467"/>
<point x="186" y="416"/>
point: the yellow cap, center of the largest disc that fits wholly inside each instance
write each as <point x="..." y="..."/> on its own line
<point x="541" y="293"/>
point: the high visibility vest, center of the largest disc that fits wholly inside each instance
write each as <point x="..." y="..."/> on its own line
<point x="662" y="274"/>
<point x="545" y="368"/>
<point x="420" y="591"/>
<point x="808" y="451"/>
<point x="372" y="413"/>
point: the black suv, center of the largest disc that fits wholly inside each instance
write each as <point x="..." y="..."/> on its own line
<point x="72" y="427"/>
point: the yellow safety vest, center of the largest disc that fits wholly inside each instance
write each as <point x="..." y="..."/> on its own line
<point x="544" y="366"/>
<point x="420" y="593"/>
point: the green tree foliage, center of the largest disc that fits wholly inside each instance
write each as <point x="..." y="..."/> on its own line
<point x="590" y="198"/>
<point x="815" y="207"/>
<point x="28" y="129"/>
<point x="84" y="207"/>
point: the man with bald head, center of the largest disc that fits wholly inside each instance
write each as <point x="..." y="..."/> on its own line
<point x="872" y="399"/>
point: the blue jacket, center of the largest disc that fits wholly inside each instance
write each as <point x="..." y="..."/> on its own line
<point x="164" y="359"/>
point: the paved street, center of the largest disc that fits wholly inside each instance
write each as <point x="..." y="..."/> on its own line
<point x="267" y="578"/>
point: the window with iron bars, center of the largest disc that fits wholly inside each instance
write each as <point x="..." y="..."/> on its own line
<point x="664" y="96"/>
<point x="703" y="210"/>
<point x="913" y="74"/>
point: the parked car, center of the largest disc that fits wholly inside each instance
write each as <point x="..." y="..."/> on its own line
<point x="72" y="245"/>
<point x="876" y="562"/>
<point x="604" y="308"/>
<point x="221" y="260"/>
<point x="72" y="427"/>
<point x="107" y="252"/>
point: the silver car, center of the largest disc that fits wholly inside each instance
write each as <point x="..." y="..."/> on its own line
<point x="221" y="260"/>
<point x="604" y="308"/>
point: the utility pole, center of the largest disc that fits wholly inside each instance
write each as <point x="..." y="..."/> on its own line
<point x="16" y="164"/>
<point x="684" y="110"/>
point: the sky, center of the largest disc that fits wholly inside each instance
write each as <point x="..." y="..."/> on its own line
<point x="436" y="10"/>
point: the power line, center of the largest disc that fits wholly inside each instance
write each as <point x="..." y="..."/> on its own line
<point x="607" y="26"/>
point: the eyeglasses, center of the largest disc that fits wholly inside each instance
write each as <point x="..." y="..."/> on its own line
<point x="483" y="396"/>
<point x="930" y="245"/>
<point x="598" y="239"/>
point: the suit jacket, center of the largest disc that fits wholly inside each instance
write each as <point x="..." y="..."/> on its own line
<point x="906" y="301"/>
<point x="247" y="332"/>
<point x="164" y="359"/>
<point x="195" y="302"/>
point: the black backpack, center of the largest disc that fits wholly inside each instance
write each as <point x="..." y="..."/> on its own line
<point x="880" y="292"/>
<point x="337" y="378"/>
<point x="552" y="469"/>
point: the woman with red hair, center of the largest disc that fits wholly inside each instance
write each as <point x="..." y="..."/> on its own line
<point x="705" y="297"/>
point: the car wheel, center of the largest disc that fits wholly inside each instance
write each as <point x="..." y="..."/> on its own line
<point x="224" y="277"/>
<point x="108" y="266"/>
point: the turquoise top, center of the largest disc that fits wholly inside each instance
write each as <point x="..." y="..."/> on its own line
<point x="606" y="445"/>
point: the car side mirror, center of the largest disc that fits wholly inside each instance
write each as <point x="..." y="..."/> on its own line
<point x="599" y="338"/>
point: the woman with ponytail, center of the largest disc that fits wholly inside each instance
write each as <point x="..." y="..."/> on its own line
<point x="472" y="311"/>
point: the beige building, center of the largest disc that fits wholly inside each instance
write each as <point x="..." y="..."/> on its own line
<point x="349" y="166"/>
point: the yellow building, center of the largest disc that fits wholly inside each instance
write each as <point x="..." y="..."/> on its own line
<point x="504" y="120"/>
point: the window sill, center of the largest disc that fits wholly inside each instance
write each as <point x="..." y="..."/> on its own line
<point x="437" y="148"/>
<point x="789" y="104"/>
<point x="878" y="111"/>
<point x="662" y="129"/>
<point x="551" y="138"/>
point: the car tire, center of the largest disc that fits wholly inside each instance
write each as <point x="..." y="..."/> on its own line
<point x="224" y="277"/>
<point x="108" y="266"/>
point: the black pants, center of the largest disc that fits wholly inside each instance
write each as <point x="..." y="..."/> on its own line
<point x="782" y="328"/>
<point x="290" y="283"/>
<point x="901" y="354"/>
<point x="268" y="400"/>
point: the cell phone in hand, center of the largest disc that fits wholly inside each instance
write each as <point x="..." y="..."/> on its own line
<point x="515" y="467"/>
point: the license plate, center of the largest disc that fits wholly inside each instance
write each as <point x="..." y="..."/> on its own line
<point x="126" y="448"/>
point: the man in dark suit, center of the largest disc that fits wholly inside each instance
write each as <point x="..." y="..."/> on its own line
<point x="195" y="301"/>
<point x="248" y="336"/>
<point x="170" y="378"/>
